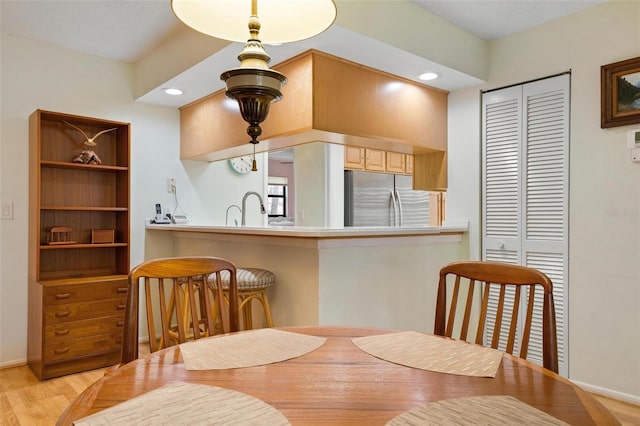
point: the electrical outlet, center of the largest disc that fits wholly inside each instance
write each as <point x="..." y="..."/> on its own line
<point x="171" y="185"/>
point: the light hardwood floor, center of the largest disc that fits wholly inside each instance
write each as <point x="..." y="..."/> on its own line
<point x="25" y="401"/>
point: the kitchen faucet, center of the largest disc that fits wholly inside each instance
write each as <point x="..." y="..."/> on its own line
<point x="226" y="216"/>
<point x="244" y="205"/>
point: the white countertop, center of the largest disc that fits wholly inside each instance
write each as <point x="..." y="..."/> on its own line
<point x="315" y="232"/>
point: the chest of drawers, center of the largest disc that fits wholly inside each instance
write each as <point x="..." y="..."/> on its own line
<point x="80" y="324"/>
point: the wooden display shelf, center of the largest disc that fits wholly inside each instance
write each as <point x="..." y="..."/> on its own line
<point x="80" y="166"/>
<point x="77" y="276"/>
<point x="87" y="280"/>
<point x="83" y="280"/>
<point x="85" y="209"/>
<point x="81" y="245"/>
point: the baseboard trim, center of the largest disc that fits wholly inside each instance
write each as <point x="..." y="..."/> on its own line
<point x="620" y="396"/>
<point x="13" y="363"/>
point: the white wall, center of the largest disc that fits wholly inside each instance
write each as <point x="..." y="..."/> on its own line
<point x="310" y="164"/>
<point x="463" y="151"/>
<point x="41" y="76"/>
<point x="388" y="282"/>
<point x="604" y="249"/>
<point x="319" y="176"/>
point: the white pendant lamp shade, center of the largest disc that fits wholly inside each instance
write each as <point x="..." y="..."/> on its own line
<point x="281" y="21"/>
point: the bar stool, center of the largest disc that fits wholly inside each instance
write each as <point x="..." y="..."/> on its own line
<point x="252" y="285"/>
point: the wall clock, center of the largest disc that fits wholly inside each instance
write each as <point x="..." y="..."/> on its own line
<point x="241" y="165"/>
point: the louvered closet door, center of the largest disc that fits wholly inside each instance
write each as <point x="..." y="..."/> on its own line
<point x="525" y="189"/>
<point x="502" y="135"/>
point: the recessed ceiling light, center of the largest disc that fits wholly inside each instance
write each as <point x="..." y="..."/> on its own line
<point x="172" y="91"/>
<point x="428" y="76"/>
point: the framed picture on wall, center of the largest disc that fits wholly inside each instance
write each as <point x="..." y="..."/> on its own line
<point x="620" y="93"/>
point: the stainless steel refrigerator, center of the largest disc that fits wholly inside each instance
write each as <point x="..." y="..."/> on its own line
<point x="380" y="199"/>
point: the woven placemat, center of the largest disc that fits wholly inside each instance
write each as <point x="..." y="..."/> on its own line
<point x="426" y="352"/>
<point x="189" y="404"/>
<point x="499" y="410"/>
<point x="256" y="347"/>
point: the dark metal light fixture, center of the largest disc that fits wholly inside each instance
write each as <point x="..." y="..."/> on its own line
<point x="253" y="85"/>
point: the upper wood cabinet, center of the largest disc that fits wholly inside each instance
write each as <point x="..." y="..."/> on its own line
<point x="77" y="283"/>
<point x="399" y="163"/>
<point x="395" y="162"/>
<point x="408" y="164"/>
<point x="375" y="160"/>
<point x="353" y="158"/>
<point x="430" y="171"/>
<point x="358" y="158"/>
<point x="326" y="99"/>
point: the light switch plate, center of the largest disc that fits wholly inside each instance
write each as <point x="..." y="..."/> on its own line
<point x="633" y="139"/>
<point x="6" y="211"/>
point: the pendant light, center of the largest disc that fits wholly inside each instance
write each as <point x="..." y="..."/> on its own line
<point x="253" y="85"/>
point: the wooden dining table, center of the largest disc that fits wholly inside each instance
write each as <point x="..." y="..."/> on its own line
<point x="340" y="384"/>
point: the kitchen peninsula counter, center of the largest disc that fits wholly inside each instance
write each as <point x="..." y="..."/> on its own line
<point x="315" y="232"/>
<point x="373" y="276"/>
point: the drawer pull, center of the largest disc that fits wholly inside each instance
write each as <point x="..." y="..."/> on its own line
<point x="63" y="314"/>
<point x="121" y="306"/>
<point x="62" y="295"/>
<point x="62" y="332"/>
<point x="120" y="323"/>
<point x="61" y="351"/>
<point x="122" y="289"/>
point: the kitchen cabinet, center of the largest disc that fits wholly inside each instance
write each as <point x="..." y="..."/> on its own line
<point x="408" y="164"/>
<point x="77" y="283"/>
<point x="399" y="163"/>
<point x="353" y="158"/>
<point x="430" y="171"/>
<point x="358" y="158"/>
<point x="374" y="160"/>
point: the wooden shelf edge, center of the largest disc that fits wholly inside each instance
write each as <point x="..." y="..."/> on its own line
<point x="83" y="280"/>
<point x="88" y="245"/>
<point x="81" y="166"/>
<point x="86" y="209"/>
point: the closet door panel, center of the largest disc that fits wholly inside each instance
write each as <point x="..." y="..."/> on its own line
<point x="545" y="204"/>
<point x="525" y="155"/>
<point x="502" y="133"/>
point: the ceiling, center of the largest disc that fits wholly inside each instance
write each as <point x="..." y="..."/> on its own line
<point x="127" y="30"/>
<point x="492" y="19"/>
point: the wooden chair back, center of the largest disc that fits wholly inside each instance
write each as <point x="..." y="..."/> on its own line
<point x="495" y="278"/>
<point x="179" y="302"/>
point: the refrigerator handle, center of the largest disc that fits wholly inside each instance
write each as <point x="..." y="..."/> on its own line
<point x="392" y="200"/>
<point x="397" y="196"/>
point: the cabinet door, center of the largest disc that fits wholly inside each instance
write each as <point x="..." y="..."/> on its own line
<point x="375" y="160"/>
<point x="395" y="162"/>
<point x="353" y="158"/>
<point x="408" y="164"/>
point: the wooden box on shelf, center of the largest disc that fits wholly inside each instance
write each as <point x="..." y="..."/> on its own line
<point x="102" y="236"/>
<point x="77" y="286"/>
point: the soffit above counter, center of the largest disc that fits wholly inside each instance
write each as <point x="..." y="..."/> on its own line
<point x="327" y="99"/>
